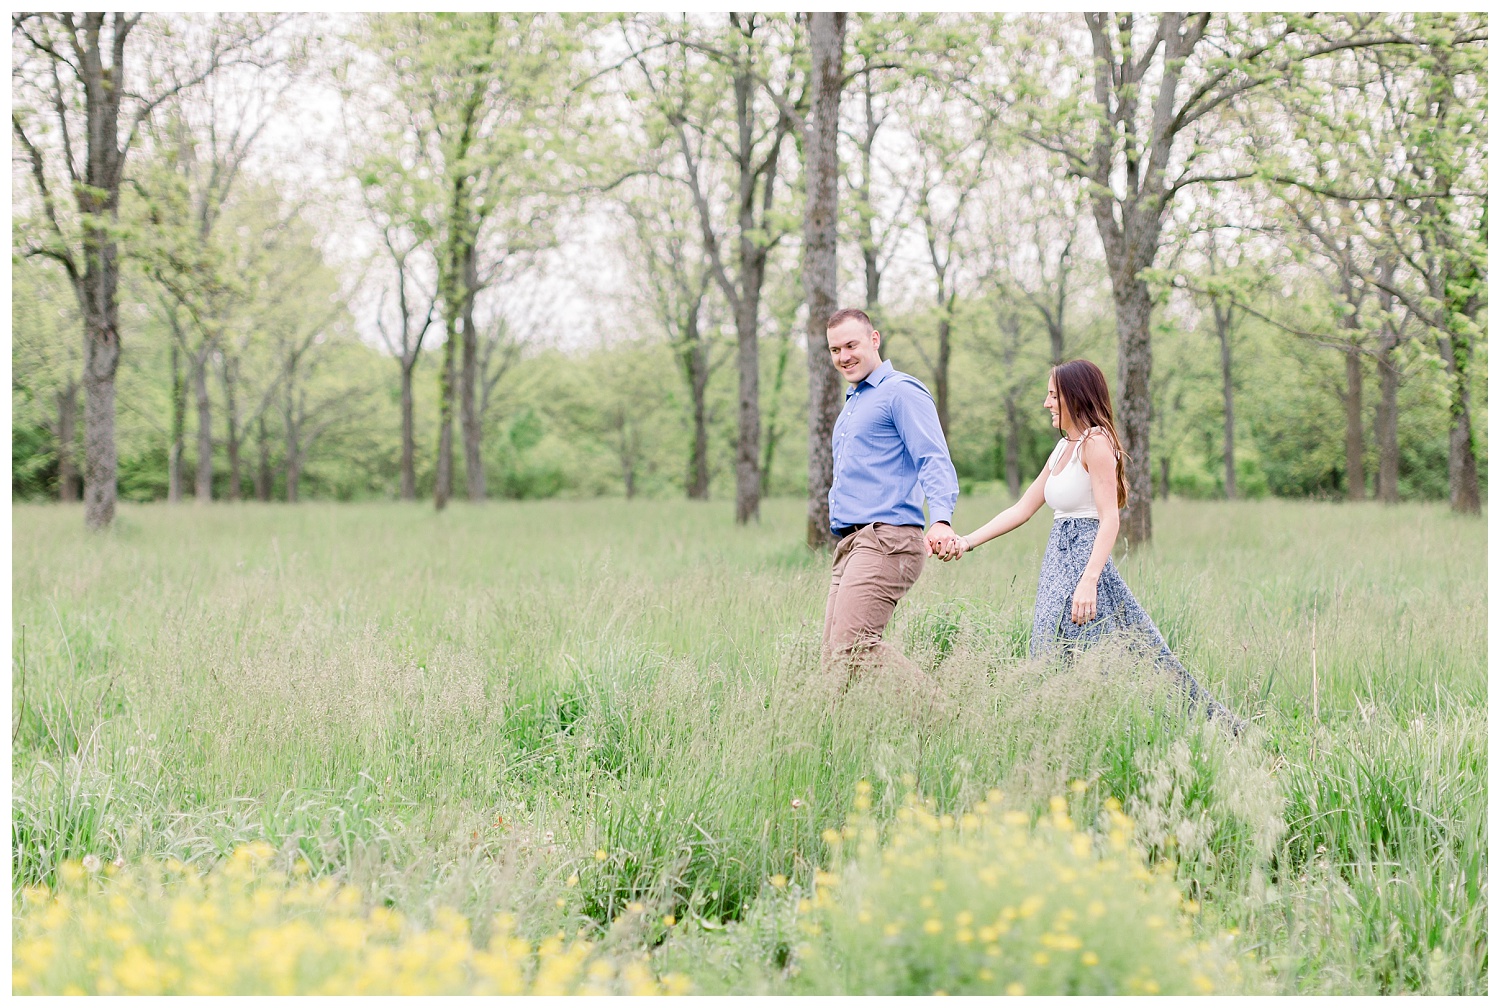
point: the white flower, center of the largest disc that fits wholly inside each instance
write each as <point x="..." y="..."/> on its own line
<point x="796" y="803"/>
<point x="92" y="863"/>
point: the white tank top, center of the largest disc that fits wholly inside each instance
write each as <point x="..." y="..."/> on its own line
<point x="1069" y="492"/>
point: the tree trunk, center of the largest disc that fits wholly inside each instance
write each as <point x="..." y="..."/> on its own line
<point x="443" y="484"/>
<point x="747" y="325"/>
<point x="1387" y="488"/>
<point x="1224" y="322"/>
<point x="747" y="313"/>
<point x="177" y="448"/>
<point x="773" y="420"/>
<point x="1463" y="470"/>
<point x="1166" y="472"/>
<point x="98" y="201"/>
<point x="1012" y="446"/>
<point x="940" y="369"/>
<point x="627" y="462"/>
<point x="101" y="360"/>
<point x="468" y="381"/>
<point x="696" y="360"/>
<point x="232" y="432"/>
<point x="820" y="263"/>
<point x="1132" y="299"/>
<point x="203" y="485"/>
<point x="747" y="454"/>
<point x="1354" y="424"/>
<point x="408" y="434"/>
<point x="263" y="469"/>
<point x="67" y="427"/>
<point x="293" y="477"/>
<point x="1055" y="334"/>
<point x="698" y="464"/>
<point x="293" y="458"/>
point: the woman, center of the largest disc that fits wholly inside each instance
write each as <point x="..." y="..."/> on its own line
<point x="1080" y="595"/>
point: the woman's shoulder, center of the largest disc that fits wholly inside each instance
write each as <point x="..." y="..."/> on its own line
<point x="1098" y="448"/>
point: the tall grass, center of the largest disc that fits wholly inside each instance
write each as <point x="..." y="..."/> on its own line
<point x="460" y="710"/>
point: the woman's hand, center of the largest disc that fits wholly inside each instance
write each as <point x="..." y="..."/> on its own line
<point x="954" y="548"/>
<point x="1086" y="599"/>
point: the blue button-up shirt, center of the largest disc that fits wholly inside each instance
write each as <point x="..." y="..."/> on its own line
<point x="888" y="451"/>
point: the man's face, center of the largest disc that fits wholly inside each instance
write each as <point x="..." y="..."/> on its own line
<point x="855" y="350"/>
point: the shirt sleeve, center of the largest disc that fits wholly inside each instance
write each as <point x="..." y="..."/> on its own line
<point x="915" y="416"/>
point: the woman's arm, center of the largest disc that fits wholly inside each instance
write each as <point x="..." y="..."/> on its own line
<point x="1100" y="462"/>
<point x="1011" y="518"/>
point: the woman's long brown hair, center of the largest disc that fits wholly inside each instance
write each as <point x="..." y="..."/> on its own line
<point x="1082" y="389"/>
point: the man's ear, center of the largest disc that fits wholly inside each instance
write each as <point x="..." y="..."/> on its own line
<point x="875" y="338"/>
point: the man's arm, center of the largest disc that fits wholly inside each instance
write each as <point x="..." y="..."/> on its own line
<point x="915" y="416"/>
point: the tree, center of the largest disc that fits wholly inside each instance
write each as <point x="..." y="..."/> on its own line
<point x="472" y="128"/>
<point x="820" y="261"/>
<point x="1395" y="331"/>
<point x="76" y="76"/>
<point x="1131" y="135"/>
<point x="1051" y="224"/>
<point x="285" y="285"/>
<point x="886" y="50"/>
<point x="1010" y="347"/>
<point x="201" y="152"/>
<point x="1433" y="211"/>
<point x="736" y="207"/>
<point x="403" y="335"/>
<point x="671" y="262"/>
<point x="1029" y="254"/>
<point x="785" y="303"/>
<point x="1229" y="279"/>
<point x="1378" y="168"/>
<point x="953" y="142"/>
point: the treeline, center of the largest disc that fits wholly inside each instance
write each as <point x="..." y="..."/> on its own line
<point x="1269" y="229"/>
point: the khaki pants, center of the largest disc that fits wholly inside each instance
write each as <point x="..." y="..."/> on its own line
<point x="872" y="569"/>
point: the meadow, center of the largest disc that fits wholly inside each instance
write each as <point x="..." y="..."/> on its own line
<point x="585" y="745"/>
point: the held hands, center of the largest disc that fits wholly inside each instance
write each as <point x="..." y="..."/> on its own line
<point x="940" y="540"/>
<point x="1086" y="599"/>
<point x="955" y="547"/>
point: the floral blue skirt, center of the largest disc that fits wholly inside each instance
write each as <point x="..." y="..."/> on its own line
<point x="1053" y="630"/>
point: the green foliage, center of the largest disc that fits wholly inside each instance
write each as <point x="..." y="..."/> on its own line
<point x="33" y="462"/>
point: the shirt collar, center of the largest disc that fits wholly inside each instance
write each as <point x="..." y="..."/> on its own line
<point x="874" y="378"/>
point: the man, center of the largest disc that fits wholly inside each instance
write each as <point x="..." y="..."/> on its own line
<point x="888" y="453"/>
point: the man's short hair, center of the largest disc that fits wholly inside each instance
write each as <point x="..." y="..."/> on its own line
<point x="843" y="315"/>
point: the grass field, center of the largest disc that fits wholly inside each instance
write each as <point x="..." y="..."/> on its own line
<point x="585" y="745"/>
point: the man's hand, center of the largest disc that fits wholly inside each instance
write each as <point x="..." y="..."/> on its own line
<point x="939" y="539"/>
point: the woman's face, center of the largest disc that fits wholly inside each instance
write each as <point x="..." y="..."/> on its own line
<point x="1054" y="404"/>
